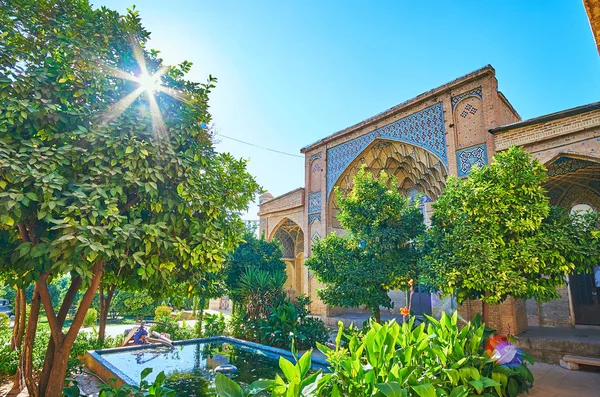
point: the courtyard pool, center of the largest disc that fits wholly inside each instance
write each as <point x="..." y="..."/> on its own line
<point x="190" y="365"/>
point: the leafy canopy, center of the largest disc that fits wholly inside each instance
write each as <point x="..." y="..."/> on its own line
<point x="143" y="189"/>
<point x="251" y="255"/>
<point x="494" y="234"/>
<point x="378" y="254"/>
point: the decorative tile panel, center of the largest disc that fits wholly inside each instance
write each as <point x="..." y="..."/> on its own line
<point x="566" y="165"/>
<point x="314" y="217"/>
<point x="315" y="156"/>
<point x="475" y="92"/>
<point x="315" y="237"/>
<point x="467" y="158"/>
<point x="314" y="202"/>
<point x="424" y="129"/>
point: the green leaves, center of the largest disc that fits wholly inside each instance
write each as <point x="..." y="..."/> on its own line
<point x="226" y="387"/>
<point x="383" y="228"/>
<point x="491" y="235"/>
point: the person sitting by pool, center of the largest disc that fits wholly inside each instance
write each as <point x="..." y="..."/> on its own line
<point x="139" y="338"/>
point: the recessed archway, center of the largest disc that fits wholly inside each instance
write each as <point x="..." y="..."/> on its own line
<point x="416" y="170"/>
<point x="574" y="184"/>
<point x="291" y="237"/>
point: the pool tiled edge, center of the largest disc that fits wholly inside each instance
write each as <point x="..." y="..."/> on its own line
<point x="105" y="370"/>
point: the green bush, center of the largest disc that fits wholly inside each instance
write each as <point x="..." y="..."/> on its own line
<point x="162" y="311"/>
<point x="4" y="321"/>
<point x="285" y="323"/>
<point x="214" y="324"/>
<point x="8" y="359"/>
<point x="91" y="316"/>
<point x="167" y="324"/>
<point x="436" y="359"/>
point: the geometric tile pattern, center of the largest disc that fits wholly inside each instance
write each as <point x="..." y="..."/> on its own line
<point x="424" y="129"/>
<point x="474" y="92"/>
<point x="467" y="158"/>
<point x="315" y="156"/>
<point x="566" y="165"/>
<point x="315" y="237"/>
<point x="314" y="202"/>
<point x="314" y="217"/>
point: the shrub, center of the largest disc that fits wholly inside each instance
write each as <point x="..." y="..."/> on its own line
<point x="8" y="359"/>
<point x="214" y="324"/>
<point x="4" y="321"/>
<point x="285" y="323"/>
<point x="162" y="311"/>
<point x="91" y="316"/>
<point x="166" y="324"/>
<point x="433" y="359"/>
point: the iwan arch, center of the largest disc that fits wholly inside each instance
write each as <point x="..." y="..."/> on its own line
<point x="444" y="132"/>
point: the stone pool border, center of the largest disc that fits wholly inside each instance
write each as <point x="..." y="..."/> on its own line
<point x="97" y="364"/>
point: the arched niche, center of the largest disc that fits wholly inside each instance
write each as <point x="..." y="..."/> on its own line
<point x="417" y="171"/>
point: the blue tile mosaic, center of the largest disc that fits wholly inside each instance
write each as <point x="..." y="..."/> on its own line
<point x="424" y="129"/>
<point x="315" y="156"/>
<point x="314" y="217"/>
<point x="469" y="157"/>
<point x="474" y="92"/>
<point x="314" y="202"/>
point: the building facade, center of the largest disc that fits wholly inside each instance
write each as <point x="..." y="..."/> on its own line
<point x="445" y="131"/>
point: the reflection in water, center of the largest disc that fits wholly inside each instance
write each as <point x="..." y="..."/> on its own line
<point x="190" y="368"/>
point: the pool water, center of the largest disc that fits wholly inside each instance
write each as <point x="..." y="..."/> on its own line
<point x="190" y="367"/>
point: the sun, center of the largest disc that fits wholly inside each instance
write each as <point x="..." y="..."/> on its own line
<point x="150" y="83"/>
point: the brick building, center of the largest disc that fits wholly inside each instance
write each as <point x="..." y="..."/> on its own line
<point x="444" y="132"/>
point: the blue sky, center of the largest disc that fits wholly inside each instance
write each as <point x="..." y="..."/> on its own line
<point x="293" y="72"/>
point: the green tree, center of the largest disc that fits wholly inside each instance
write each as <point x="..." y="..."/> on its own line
<point x="251" y="253"/>
<point x="378" y="254"/>
<point x="495" y="235"/>
<point x="97" y="168"/>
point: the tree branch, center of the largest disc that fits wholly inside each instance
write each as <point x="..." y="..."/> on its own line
<point x="133" y="201"/>
<point x="23" y="233"/>
<point x="86" y="301"/>
<point x="55" y="328"/>
<point x="68" y="299"/>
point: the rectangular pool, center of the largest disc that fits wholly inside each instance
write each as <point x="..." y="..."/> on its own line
<point x="190" y="365"/>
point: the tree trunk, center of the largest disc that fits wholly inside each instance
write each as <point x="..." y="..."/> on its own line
<point x="57" y="354"/>
<point x="62" y="315"/>
<point x="485" y="312"/>
<point x="20" y="320"/>
<point x="24" y="375"/>
<point x="104" y="309"/>
<point x="377" y="314"/>
<point x="200" y="318"/>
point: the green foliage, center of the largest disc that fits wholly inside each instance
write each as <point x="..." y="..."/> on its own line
<point x="145" y="388"/>
<point x="493" y="235"/>
<point x="258" y="290"/>
<point x="168" y="324"/>
<point x="299" y="381"/>
<point x="382" y="228"/>
<point x="251" y="253"/>
<point x="8" y="359"/>
<point x="436" y="359"/>
<point x="91" y="316"/>
<point x="285" y="323"/>
<point x="4" y="322"/>
<point x="126" y="303"/>
<point x="96" y="173"/>
<point x="214" y="324"/>
<point x="162" y="311"/>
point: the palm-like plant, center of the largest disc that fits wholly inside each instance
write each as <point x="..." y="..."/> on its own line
<point x="261" y="290"/>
